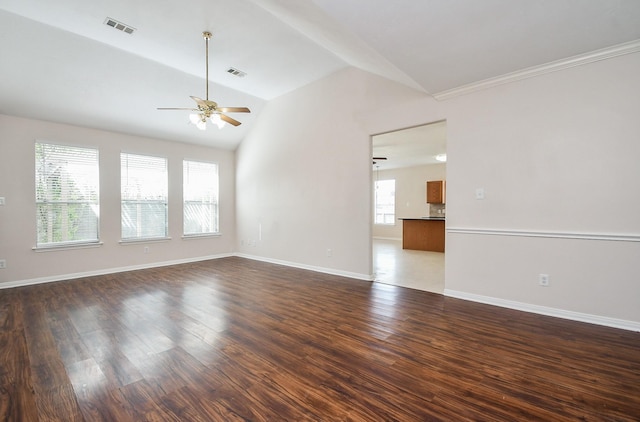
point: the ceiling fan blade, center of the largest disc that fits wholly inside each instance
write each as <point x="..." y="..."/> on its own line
<point x="199" y="101"/>
<point x="206" y="104"/>
<point x="207" y="108"/>
<point x="234" y="109"/>
<point x="379" y="158"/>
<point x="230" y="120"/>
<point x="176" y="108"/>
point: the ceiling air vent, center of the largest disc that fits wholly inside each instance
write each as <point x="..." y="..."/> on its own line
<point x="236" y="72"/>
<point x="119" y="26"/>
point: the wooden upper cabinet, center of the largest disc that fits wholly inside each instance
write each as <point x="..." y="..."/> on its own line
<point x="436" y="192"/>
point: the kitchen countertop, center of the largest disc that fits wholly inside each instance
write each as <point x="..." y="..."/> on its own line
<point x="424" y="218"/>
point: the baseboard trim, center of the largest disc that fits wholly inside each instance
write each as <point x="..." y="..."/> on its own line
<point x="105" y="271"/>
<point x="544" y="310"/>
<point x="526" y="307"/>
<point x="324" y="270"/>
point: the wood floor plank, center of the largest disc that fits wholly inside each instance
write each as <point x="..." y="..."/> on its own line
<point x="236" y="339"/>
<point x="119" y="370"/>
<point x="68" y="341"/>
<point x="57" y="403"/>
<point x="10" y="312"/>
<point x="17" y="401"/>
<point x="139" y="402"/>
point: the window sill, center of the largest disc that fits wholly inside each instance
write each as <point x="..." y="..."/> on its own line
<point x="200" y="236"/>
<point x="67" y="247"/>
<point x="144" y="240"/>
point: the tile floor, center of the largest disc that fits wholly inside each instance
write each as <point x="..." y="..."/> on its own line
<point x="419" y="270"/>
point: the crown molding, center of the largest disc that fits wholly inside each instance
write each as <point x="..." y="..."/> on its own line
<point x="531" y="72"/>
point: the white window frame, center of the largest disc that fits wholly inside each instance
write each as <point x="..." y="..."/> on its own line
<point x="144" y="185"/>
<point x="384" y="201"/>
<point x="67" y="184"/>
<point x="200" y="198"/>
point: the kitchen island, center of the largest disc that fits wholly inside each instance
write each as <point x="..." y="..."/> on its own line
<point x="423" y="234"/>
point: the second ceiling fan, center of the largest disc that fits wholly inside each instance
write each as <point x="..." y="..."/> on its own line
<point x="207" y="109"/>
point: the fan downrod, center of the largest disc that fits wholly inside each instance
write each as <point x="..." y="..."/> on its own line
<point x="207" y="36"/>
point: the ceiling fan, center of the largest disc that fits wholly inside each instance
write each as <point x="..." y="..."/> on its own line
<point x="378" y="158"/>
<point x="207" y="109"/>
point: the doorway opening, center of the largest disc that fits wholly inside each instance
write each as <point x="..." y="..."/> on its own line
<point x="410" y="157"/>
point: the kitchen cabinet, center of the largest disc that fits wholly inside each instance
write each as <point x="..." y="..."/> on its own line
<point x="436" y="192"/>
<point x="423" y="234"/>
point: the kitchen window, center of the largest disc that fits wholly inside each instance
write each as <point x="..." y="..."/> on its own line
<point x="385" y="201"/>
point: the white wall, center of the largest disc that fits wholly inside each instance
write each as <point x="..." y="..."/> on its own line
<point x="18" y="216"/>
<point x="411" y="195"/>
<point x="558" y="153"/>
<point x="304" y="175"/>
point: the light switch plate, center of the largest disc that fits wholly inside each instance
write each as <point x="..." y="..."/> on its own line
<point x="1" y="200"/>
<point x="480" y="193"/>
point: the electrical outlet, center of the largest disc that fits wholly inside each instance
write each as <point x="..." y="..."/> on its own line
<point x="543" y="280"/>
<point x="146" y="249"/>
<point x="329" y="253"/>
<point x="3" y="263"/>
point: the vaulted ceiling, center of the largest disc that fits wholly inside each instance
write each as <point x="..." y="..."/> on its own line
<point x="61" y="62"/>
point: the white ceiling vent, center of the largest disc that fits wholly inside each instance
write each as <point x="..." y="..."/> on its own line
<point x="236" y="72"/>
<point x="119" y="26"/>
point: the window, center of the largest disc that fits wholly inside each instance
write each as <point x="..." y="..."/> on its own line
<point x="143" y="189"/>
<point x="200" y="197"/>
<point x="67" y="200"/>
<point x="385" y="197"/>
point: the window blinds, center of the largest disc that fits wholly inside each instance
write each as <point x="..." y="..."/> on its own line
<point x="200" y="197"/>
<point x="144" y="191"/>
<point x="67" y="198"/>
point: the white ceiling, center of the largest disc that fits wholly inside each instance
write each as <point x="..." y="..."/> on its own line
<point x="60" y="62"/>
<point x="410" y="147"/>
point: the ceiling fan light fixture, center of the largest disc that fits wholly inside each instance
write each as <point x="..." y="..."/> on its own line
<point x="202" y="125"/>
<point x="207" y="109"/>
<point x="215" y="119"/>
<point x="194" y="118"/>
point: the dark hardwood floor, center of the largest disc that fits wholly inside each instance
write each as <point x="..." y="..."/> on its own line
<point x="235" y="339"/>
